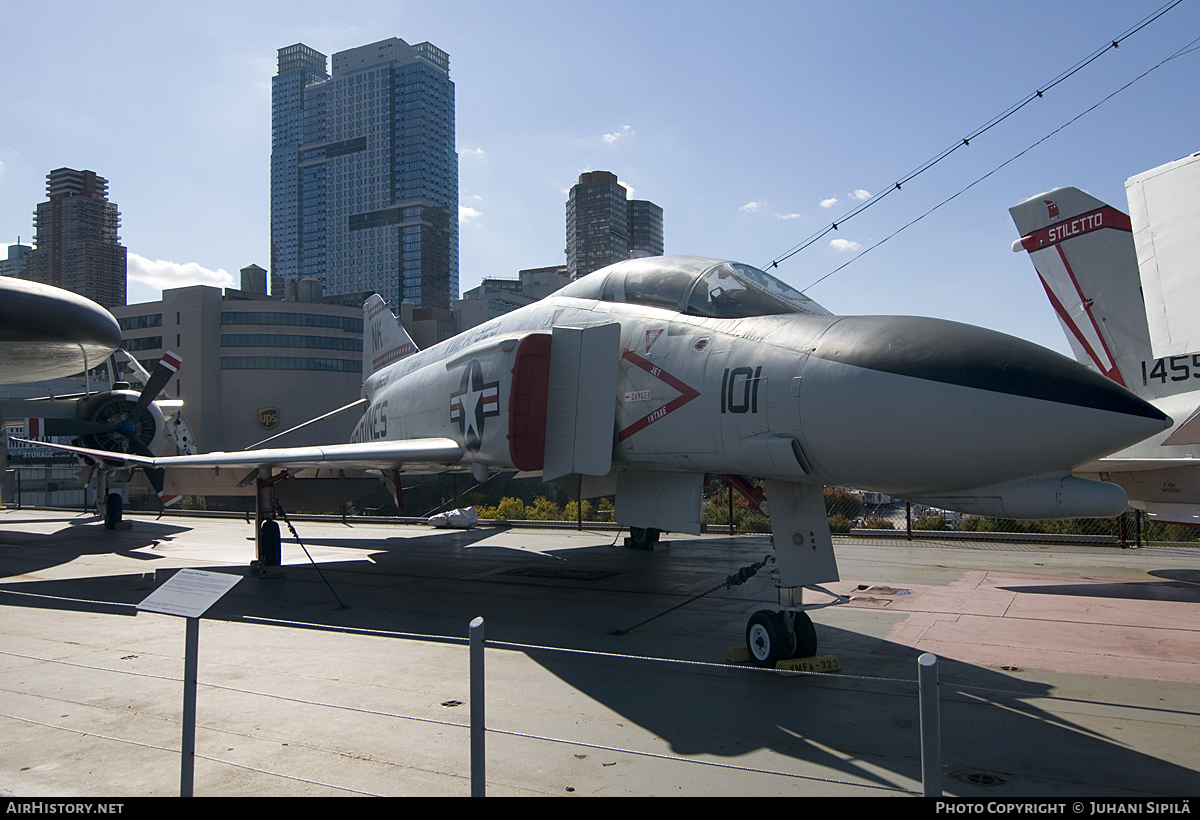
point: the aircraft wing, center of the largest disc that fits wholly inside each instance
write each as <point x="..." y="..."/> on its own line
<point x="376" y="455"/>
<point x="1135" y="465"/>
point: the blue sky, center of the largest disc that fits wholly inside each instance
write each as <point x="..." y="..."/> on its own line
<point x="751" y="125"/>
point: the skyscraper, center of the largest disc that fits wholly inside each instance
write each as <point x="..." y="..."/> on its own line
<point x="77" y="247"/>
<point x="18" y="258"/>
<point x="364" y="172"/>
<point x="604" y="227"/>
<point x="645" y="228"/>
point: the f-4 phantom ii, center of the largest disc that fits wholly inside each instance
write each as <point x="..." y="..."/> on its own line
<point x="642" y="377"/>
<point x="1138" y="330"/>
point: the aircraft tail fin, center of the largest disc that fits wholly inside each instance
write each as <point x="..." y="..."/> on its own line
<point x="385" y="341"/>
<point x="1164" y="207"/>
<point x="1084" y="254"/>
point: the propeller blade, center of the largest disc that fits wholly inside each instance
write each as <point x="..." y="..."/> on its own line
<point x="137" y="366"/>
<point x="155" y="475"/>
<point x="139" y="448"/>
<point x="76" y="427"/>
<point x="157" y="478"/>
<point x="163" y="371"/>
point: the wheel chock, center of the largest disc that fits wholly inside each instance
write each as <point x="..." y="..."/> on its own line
<point x="818" y="663"/>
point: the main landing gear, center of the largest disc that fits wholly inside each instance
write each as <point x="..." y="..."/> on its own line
<point x="267" y="550"/>
<point x="112" y="511"/>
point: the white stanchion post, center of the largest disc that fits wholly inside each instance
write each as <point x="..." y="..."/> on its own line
<point x="478" y="769"/>
<point x="931" y="726"/>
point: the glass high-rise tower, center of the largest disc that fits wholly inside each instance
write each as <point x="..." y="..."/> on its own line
<point x="364" y="172"/>
<point x="603" y="227"/>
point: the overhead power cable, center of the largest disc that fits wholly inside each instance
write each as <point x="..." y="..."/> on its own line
<point x="1185" y="50"/>
<point x="1115" y="43"/>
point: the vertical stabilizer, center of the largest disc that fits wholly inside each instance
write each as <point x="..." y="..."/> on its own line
<point x="1085" y="258"/>
<point x="1164" y="207"/>
<point x="385" y="341"/>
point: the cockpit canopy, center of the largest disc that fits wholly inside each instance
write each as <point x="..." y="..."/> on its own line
<point x="696" y="286"/>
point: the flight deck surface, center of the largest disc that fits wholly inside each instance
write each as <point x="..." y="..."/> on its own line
<point x="1065" y="671"/>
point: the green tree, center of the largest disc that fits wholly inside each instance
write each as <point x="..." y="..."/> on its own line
<point x="544" y="509"/>
<point x="931" y="522"/>
<point x="840" y="501"/>
<point x="571" y="513"/>
<point x="840" y="524"/>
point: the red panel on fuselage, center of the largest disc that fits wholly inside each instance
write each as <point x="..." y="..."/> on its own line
<point x="527" y="403"/>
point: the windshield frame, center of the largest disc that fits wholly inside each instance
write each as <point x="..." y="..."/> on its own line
<point x="682" y="278"/>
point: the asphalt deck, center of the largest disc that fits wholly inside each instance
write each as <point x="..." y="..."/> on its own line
<point x="1065" y="670"/>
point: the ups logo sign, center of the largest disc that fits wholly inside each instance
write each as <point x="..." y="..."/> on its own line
<point x="268" y="417"/>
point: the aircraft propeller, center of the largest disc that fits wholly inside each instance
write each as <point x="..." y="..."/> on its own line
<point x="115" y="423"/>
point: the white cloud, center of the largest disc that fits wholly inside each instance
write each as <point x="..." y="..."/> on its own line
<point x="751" y="206"/>
<point x="787" y="216"/>
<point x="466" y="214"/>
<point x="477" y="151"/>
<point x="860" y="194"/>
<point x="160" y="273"/>
<point x="615" y="135"/>
<point x="845" y="245"/>
<point x="629" y="192"/>
<point x="829" y="203"/>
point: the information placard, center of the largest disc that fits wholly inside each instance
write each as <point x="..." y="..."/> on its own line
<point x="189" y="593"/>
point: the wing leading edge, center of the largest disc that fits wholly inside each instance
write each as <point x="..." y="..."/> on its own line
<point x="437" y="453"/>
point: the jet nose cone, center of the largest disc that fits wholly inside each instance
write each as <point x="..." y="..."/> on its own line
<point x="968" y="356"/>
<point x="973" y="395"/>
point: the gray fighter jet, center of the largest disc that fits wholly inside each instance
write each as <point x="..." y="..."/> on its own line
<point x="642" y="377"/>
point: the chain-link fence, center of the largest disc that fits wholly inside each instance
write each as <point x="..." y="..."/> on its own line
<point x="870" y="513"/>
<point x="505" y="497"/>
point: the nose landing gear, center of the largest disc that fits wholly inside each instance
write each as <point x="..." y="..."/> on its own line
<point x="643" y="539"/>
<point x="803" y="558"/>
<point x="775" y="636"/>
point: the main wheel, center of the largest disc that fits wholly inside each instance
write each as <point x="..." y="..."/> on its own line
<point x="269" y="544"/>
<point x="805" y="635"/>
<point x="644" y="539"/>
<point x="112" y="511"/>
<point x="768" y="639"/>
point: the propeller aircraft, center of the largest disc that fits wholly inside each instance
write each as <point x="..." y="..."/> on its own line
<point x="47" y="333"/>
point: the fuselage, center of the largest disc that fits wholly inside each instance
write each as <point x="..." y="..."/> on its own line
<point x="901" y="405"/>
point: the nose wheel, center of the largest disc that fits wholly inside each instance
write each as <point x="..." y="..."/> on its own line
<point x="643" y="539"/>
<point x="775" y="636"/>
